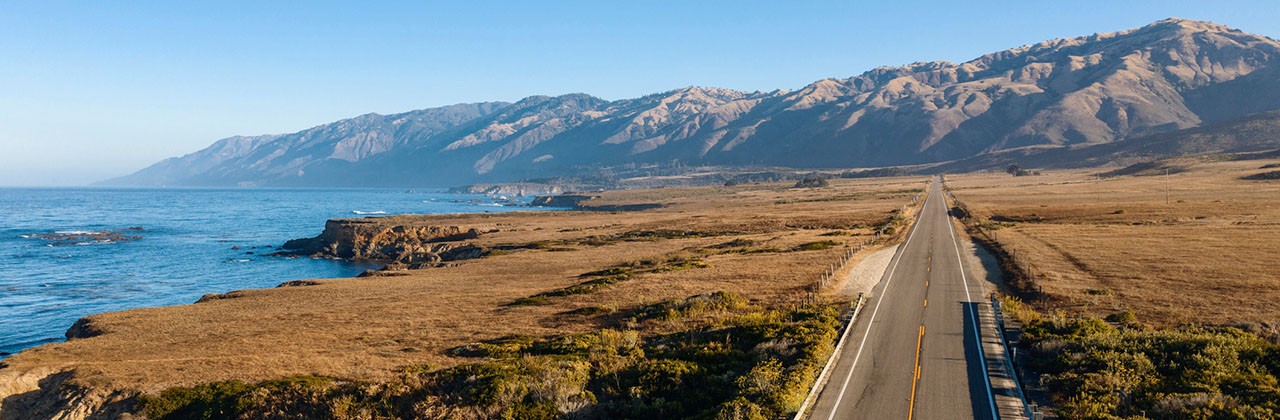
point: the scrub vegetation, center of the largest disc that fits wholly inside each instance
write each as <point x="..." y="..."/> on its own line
<point x="1136" y="302"/>
<point x="706" y="356"/>
<point x="1122" y="368"/>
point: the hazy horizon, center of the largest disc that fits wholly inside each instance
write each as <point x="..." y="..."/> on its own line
<point x="97" y="91"/>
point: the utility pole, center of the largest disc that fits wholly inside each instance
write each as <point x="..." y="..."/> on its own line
<point x="1166" y="186"/>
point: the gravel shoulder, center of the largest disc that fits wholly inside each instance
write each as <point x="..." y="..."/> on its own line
<point x="866" y="273"/>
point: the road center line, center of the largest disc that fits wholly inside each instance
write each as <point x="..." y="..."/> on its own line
<point x="915" y="379"/>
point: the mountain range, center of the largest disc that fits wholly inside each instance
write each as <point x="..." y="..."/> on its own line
<point x="1167" y="77"/>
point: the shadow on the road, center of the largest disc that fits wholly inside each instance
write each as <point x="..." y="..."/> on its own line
<point x="976" y="366"/>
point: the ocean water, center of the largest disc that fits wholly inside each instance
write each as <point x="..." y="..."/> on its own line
<point x="70" y="252"/>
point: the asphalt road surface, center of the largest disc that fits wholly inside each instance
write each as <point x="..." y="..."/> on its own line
<point x="913" y="352"/>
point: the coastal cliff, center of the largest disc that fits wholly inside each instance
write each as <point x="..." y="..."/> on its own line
<point x="370" y="239"/>
<point x="565" y="200"/>
<point x="518" y="189"/>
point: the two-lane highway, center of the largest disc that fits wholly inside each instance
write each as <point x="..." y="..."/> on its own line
<point x="913" y="352"/>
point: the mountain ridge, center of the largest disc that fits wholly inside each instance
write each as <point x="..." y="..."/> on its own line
<point x="1252" y="134"/>
<point x="1170" y="75"/>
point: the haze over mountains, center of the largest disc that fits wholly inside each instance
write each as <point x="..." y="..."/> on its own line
<point x="1170" y="75"/>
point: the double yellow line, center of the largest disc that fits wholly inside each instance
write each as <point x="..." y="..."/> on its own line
<point x="915" y="378"/>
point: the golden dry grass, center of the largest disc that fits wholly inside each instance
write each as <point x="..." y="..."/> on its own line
<point x="1101" y="246"/>
<point x="366" y="328"/>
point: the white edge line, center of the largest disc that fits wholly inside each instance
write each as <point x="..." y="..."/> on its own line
<point x="977" y="335"/>
<point x="871" y="322"/>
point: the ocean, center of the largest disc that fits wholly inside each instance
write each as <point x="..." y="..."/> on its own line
<point x="70" y="252"/>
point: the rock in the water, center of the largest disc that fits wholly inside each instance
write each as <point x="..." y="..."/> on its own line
<point x="83" y="237"/>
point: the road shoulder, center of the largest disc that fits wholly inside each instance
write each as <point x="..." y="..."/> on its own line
<point x="982" y="265"/>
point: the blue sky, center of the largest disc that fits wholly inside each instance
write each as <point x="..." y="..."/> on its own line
<point x="90" y="90"/>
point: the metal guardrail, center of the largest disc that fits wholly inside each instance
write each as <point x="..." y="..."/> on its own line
<point x="998" y="309"/>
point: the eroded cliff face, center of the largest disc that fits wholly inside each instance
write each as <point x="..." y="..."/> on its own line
<point x="374" y="240"/>
<point x="50" y="394"/>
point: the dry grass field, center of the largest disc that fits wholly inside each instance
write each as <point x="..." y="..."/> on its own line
<point x="1099" y="246"/>
<point x="748" y="240"/>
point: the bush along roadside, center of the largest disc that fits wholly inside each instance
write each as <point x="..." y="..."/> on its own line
<point x="711" y="356"/>
<point x="1120" y="368"/>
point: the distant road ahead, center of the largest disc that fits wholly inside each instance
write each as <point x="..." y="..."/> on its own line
<point x="913" y="351"/>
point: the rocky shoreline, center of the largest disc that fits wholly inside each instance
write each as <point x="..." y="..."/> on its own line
<point x="397" y="245"/>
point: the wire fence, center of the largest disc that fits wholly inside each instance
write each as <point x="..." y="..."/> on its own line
<point x="813" y="292"/>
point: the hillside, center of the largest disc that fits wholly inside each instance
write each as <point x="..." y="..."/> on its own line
<point x="1170" y="75"/>
<point x="1253" y="133"/>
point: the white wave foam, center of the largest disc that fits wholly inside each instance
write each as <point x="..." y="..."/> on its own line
<point x="368" y="212"/>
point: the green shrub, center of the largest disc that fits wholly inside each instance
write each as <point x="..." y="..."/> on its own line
<point x="816" y="246"/>
<point x="1094" y="370"/>
<point x="208" y="401"/>
<point x="509" y="346"/>
<point x="681" y="264"/>
<point x="741" y="409"/>
<point x="592" y="311"/>
<point x="1014" y="308"/>
<point x="736" y="243"/>
<point x="220" y="400"/>
<point x="529" y="301"/>
<point x="692" y="307"/>
<point x="1125" y="319"/>
<point x="764" y="380"/>
<point x="612" y="275"/>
